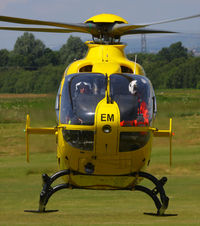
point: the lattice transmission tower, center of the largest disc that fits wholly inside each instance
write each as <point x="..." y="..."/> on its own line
<point x="143" y="43"/>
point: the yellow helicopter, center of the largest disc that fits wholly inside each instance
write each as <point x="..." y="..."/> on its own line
<point x="105" y="110"/>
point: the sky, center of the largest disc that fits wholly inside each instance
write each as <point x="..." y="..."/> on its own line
<point x="74" y="11"/>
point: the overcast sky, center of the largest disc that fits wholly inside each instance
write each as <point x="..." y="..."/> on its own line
<point x="134" y="11"/>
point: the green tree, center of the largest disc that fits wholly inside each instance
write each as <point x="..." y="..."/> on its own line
<point x="27" y="50"/>
<point x="176" y="50"/>
<point x="49" y="57"/>
<point x="164" y="54"/>
<point x="27" y="44"/>
<point x="73" y="49"/>
<point x="4" y="57"/>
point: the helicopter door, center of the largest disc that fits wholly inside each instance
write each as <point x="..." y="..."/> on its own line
<point x="107" y="121"/>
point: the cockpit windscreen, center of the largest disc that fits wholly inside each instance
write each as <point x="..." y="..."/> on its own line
<point x="80" y="95"/>
<point x="134" y="96"/>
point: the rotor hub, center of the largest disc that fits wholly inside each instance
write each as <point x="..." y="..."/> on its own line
<point x="106" y="18"/>
<point x="104" y="27"/>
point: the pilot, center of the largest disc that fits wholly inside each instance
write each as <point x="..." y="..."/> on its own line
<point x="83" y="88"/>
<point x="142" y="111"/>
<point x="80" y="88"/>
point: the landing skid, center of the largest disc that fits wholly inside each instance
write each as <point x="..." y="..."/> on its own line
<point x="48" y="191"/>
<point x="160" y="203"/>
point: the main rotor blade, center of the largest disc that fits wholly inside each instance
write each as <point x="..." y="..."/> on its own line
<point x="51" y="30"/>
<point x="172" y="20"/>
<point x="148" y="31"/>
<point x="120" y="29"/>
<point x="80" y="27"/>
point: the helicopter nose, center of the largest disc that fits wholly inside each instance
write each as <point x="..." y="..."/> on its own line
<point x="106" y="141"/>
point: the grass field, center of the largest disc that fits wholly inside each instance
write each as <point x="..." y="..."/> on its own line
<point x="20" y="183"/>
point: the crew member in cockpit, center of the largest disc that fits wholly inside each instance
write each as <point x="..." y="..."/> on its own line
<point x="83" y="88"/>
<point x="142" y="111"/>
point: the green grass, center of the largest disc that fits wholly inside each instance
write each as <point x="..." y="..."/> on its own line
<point x="179" y="103"/>
<point x="14" y="110"/>
<point x="20" y="182"/>
<point x="21" y="185"/>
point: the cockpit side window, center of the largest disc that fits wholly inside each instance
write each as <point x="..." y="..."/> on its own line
<point x="57" y="104"/>
<point x="154" y="105"/>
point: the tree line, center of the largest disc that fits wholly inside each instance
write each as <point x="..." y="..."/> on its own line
<point x="31" y="67"/>
<point x="31" y="53"/>
<point x="172" y="67"/>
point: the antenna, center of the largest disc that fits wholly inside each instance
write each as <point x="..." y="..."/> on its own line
<point x="135" y="63"/>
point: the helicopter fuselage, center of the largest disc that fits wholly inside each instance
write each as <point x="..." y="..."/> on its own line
<point x="105" y="143"/>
